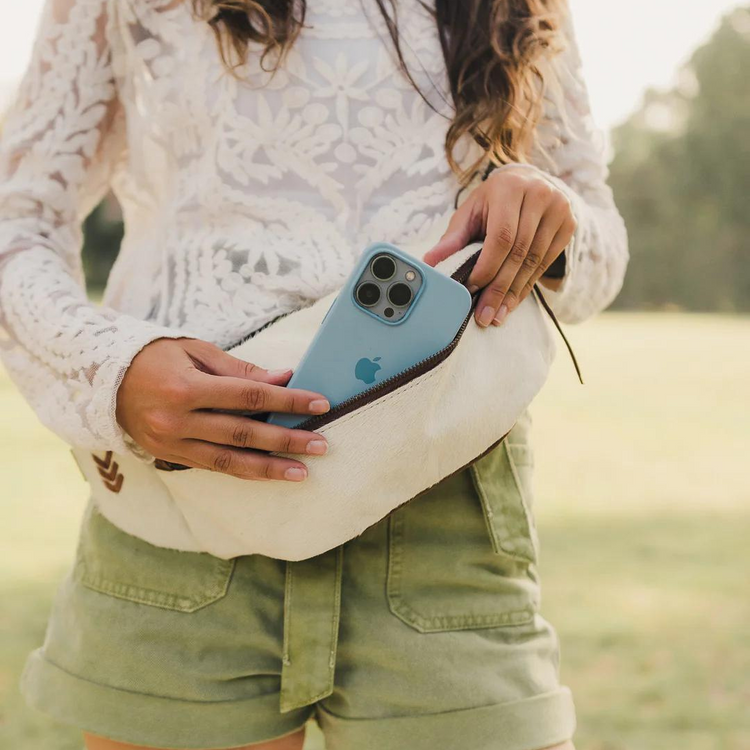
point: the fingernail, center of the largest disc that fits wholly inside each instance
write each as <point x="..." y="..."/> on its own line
<point x="501" y="314"/>
<point x="317" y="447"/>
<point x="319" y="405"/>
<point x="278" y="373"/>
<point x="486" y="316"/>
<point x="295" y="474"/>
<point x="473" y="288"/>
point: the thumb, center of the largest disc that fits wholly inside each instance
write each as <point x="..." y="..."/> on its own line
<point x="449" y="243"/>
<point x="458" y="235"/>
<point x="214" y="361"/>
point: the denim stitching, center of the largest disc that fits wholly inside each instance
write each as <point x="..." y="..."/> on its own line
<point x="162" y="599"/>
<point x="285" y="660"/>
<point x="336" y="618"/>
<point x="529" y="530"/>
<point x="435" y="623"/>
<point x="490" y="514"/>
<point x="216" y="588"/>
<point x="334" y="634"/>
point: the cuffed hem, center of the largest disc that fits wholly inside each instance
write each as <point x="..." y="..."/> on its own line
<point x="529" y="724"/>
<point x="154" y="721"/>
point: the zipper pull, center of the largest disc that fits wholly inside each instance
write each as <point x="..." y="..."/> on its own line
<point x="548" y="310"/>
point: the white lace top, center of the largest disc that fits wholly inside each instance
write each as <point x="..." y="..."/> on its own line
<point x="242" y="199"/>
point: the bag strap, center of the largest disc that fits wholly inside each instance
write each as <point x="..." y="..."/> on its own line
<point x="545" y="305"/>
<point x="461" y="274"/>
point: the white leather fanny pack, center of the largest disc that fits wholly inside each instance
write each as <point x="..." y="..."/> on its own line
<point x="386" y="446"/>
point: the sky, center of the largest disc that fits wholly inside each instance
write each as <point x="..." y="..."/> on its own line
<point x="627" y="46"/>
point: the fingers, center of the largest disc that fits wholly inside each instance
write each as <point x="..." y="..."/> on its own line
<point x="244" y="432"/>
<point x="526" y="222"/>
<point x="545" y="227"/>
<point x="513" y="258"/>
<point x="243" y="464"/>
<point x="465" y="224"/>
<point x="211" y="360"/>
<point x="237" y="394"/>
<point x="536" y="261"/>
<point x="558" y="244"/>
<point x="503" y="234"/>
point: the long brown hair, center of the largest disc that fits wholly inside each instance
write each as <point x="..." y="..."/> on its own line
<point x="494" y="52"/>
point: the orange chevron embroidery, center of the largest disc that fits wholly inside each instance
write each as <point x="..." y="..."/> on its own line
<point x="115" y="486"/>
<point x="109" y="471"/>
<point x="103" y="462"/>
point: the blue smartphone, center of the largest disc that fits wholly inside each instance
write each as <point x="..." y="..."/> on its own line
<point x="393" y="312"/>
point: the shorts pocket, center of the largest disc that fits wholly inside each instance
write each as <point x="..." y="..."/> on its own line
<point x="115" y="563"/>
<point x="463" y="555"/>
<point x="503" y="480"/>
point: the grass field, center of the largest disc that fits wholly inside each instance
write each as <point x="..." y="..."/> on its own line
<point x="643" y="505"/>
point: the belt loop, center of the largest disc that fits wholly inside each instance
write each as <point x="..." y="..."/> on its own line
<point x="312" y="608"/>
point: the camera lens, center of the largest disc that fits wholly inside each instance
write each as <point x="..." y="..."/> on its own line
<point x="383" y="267"/>
<point x="368" y="294"/>
<point x="399" y="294"/>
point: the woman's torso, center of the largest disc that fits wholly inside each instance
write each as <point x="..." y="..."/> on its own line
<point x="244" y="199"/>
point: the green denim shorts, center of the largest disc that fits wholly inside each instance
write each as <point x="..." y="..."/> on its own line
<point x="423" y="633"/>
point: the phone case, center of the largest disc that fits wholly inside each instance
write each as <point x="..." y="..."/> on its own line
<point x="354" y="349"/>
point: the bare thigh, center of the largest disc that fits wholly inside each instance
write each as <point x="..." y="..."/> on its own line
<point x="565" y="746"/>
<point x="289" y="742"/>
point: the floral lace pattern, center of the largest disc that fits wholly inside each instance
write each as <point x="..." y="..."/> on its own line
<point x="243" y="198"/>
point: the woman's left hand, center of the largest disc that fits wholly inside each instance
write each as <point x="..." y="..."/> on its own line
<point x="525" y="223"/>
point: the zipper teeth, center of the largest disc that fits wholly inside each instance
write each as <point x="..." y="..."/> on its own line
<point x="317" y="421"/>
<point x="254" y="333"/>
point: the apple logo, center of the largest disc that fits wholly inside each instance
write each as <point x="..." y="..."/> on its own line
<point x="366" y="369"/>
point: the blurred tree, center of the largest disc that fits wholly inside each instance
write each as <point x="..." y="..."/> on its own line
<point x="102" y="231"/>
<point x="681" y="176"/>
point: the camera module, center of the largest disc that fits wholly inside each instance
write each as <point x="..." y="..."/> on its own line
<point x="399" y="294"/>
<point x="368" y="294"/>
<point x="383" y="267"/>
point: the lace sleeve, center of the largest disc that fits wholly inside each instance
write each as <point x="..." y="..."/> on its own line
<point x="60" y="142"/>
<point x="570" y="152"/>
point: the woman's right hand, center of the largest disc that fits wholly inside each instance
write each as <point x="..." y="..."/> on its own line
<point x="165" y="400"/>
